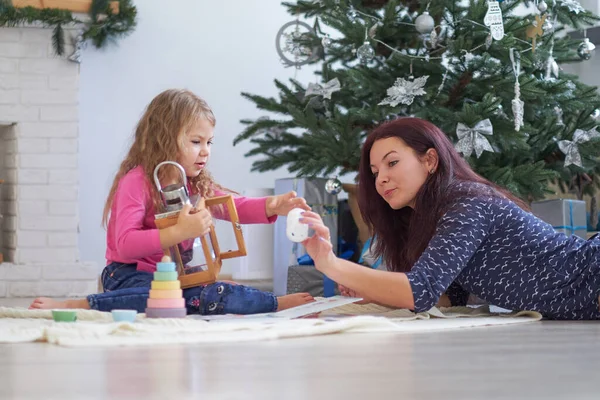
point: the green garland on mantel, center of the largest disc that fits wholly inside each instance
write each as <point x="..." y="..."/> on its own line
<point x="103" y="25"/>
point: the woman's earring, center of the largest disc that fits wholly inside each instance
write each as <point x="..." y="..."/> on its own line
<point x="431" y="171"/>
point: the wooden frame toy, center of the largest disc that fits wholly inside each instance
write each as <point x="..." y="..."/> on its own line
<point x="192" y="276"/>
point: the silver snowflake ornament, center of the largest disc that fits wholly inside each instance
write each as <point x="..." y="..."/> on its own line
<point x="573" y="5"/>
<point x="404" y="91"/>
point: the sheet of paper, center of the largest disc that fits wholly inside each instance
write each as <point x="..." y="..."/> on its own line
<point x="316" y="307"/>
<point x="291" y="313"/>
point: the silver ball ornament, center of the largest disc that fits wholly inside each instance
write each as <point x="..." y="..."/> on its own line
<point x="365" y="52"/>
<point x="542" y="6"/>
<point x="424" y="23"/>
<point x="595" y="115"/>
<point x="333" y="186"/>
<point x="585" y="51"/>
<point x="326" y="41"/>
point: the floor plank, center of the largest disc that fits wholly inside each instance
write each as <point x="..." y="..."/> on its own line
<point x="547" y="360"/>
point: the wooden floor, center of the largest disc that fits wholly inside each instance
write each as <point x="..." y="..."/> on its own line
<point x="546" y="360"/>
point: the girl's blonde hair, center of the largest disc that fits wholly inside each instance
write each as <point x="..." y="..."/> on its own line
<point x="159" y="137"/>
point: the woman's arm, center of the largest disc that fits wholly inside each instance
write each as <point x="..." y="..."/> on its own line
<point x="459" y="234"/>
<point x="382" y="287"/>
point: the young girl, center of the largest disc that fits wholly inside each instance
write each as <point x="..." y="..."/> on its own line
<point x="437" y="222"/>
<point x="177" y="125"/>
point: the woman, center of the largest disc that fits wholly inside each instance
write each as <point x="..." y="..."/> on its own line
<point x="437" y="223"/>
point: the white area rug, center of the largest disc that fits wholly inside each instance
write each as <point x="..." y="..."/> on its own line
<point x="94" y="328"/>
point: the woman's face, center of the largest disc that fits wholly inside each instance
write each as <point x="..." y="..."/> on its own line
<point x="399" y="172"/>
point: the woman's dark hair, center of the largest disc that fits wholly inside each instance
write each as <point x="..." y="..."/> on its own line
<point x="403" y="235"/>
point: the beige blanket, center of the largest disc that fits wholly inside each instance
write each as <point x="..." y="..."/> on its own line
<point x="94" y="328"/>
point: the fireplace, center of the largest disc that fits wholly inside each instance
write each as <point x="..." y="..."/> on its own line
<point x="39" y="134"/>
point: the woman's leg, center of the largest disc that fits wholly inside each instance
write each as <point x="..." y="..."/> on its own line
<point x="226" y="298"/>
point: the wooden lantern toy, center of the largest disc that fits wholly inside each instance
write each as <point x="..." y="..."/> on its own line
<point x="197" y="269"/>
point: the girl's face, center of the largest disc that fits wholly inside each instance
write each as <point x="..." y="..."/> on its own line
<point x="196" y="148"/>
<point x="399" y="172"/>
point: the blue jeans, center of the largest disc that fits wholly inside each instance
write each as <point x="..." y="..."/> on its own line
<point x="127" y="288"/>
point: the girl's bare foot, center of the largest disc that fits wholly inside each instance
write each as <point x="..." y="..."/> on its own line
<point x="46" y="303"/>
<point x="293" y="300"/>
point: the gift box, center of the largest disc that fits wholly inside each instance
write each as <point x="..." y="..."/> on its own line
<point x="285" y="252"/>
<point x="565" y="215"/>
<point x="307" y="279"/>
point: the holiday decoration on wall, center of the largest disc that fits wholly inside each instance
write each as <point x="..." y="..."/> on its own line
<point x="80" y="44"/>
<point x="449" y="62"/>
<point x="108" y="20"/>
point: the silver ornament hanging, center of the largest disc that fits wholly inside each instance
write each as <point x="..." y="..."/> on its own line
<point x="573" y="5"/>
<point x="433" y="39"/>
<point x="585" y="51"/>
<point x="488" y="41"/>
<point x="424" y="23"/>
<point x="365" y="53"/>
<point x="493" y="19"/>
<point x="404" y="91"/>
<point x="79" y="44"/>
<point x="373" y="30"/>
<point x="542" y="6"/>
<point x="352" y="14"/>
<point x="326" y="41"/>
<point x="288" y="43"/>
<point x="325" y="90"/>
<point x="559" y="116"/>
<point x="333" y="186"/>
<point x="595" y="115"/>
<point x="472" y="139"/>
<point x="571" y="147"/>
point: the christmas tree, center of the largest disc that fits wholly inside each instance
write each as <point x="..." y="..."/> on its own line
<point x="487" y="75"/>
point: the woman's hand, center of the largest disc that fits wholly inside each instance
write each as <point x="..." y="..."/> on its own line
<point x="318" y="246"/>
<point x="284" y="203"/>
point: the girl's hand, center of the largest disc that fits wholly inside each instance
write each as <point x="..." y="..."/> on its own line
<point x="194" y="223"/>
<point x="318" y="246"/>
<point x="344" y="291"/>
<point x="284" y="203"/>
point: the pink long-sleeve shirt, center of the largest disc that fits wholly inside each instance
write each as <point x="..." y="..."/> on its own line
<point x="132" y="236"/>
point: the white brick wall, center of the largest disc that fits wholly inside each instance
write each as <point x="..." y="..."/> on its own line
<point x="39" y="160"/>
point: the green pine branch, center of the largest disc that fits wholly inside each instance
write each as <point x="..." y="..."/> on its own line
<point x="102" y="27"/>
<point x="313" y="136"/>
